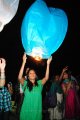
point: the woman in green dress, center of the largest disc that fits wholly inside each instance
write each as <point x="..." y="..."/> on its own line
<point x="32" y="105"/>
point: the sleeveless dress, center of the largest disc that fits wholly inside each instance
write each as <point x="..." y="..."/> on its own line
<point x="32" y="104"/>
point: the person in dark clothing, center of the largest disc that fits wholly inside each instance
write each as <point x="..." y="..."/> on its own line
<point x="5" y="97"/>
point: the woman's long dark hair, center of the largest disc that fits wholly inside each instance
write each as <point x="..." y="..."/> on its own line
<point x="29" y="83"/>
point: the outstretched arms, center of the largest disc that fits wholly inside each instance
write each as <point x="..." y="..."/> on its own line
<point x="44" y="80"/>
<point x="20" y="76"/>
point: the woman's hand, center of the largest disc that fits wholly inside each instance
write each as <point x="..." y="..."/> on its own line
<point x="20" y="76"/>
<point x="2" y="70"/>
<point x="44" y="80"/>
<point x="64" y="69"/>
<point x="49" y="60"/>
<point x="2" y="64"/>
<point x="24" y="58"/>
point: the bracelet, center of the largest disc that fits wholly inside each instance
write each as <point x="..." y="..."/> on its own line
<point x="2" y="78"/>
<point x="2" y="71"/>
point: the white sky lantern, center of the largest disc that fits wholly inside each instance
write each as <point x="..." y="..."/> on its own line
<point x="8" y="9"/>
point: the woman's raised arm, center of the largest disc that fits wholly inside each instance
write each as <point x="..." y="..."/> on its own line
<point x="20" y="75"/>
<point x="44" y="80"/>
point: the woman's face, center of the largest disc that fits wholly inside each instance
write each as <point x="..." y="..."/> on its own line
<point x="8" y="85"/>
<point x="32" y="75"/>
<point x="56" y="77"/>
<point x="65" y="75"/>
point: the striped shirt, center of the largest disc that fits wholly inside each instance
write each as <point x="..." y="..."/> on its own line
<point x="5" y="100"/>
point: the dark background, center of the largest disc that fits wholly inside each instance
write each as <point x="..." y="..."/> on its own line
<point x="68" y="54"/>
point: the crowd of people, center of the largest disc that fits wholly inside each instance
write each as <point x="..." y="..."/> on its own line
<point x="67" y="89"/>
<point x="61" y="100"/>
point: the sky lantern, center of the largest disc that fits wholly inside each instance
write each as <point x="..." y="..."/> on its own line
<point x="8" y="9"/>
<point x="43" y="29"/>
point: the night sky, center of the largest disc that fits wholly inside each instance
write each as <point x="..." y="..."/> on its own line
<point x="68" y="54"/>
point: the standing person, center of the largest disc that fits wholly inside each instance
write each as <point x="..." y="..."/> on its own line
<point x="5" y="97"/>
<point x="55" y="111"/>
<point x="32" y="104"/>
<point x="70" y="95"/>
<point x="10" y="88"/>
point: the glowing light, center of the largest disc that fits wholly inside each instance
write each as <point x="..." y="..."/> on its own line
<point x="37" y="53"/>
<point x="38" y="58"/>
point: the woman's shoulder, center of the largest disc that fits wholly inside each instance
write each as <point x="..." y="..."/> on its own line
<point x="39" y="82"/>
<point x="24" y="84"/>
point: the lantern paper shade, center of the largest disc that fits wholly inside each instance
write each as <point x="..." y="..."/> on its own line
<point x="43" y="29"/>
<point x="8" y="9"/>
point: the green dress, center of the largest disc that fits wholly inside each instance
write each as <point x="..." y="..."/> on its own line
<point x="32" y="104"/>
